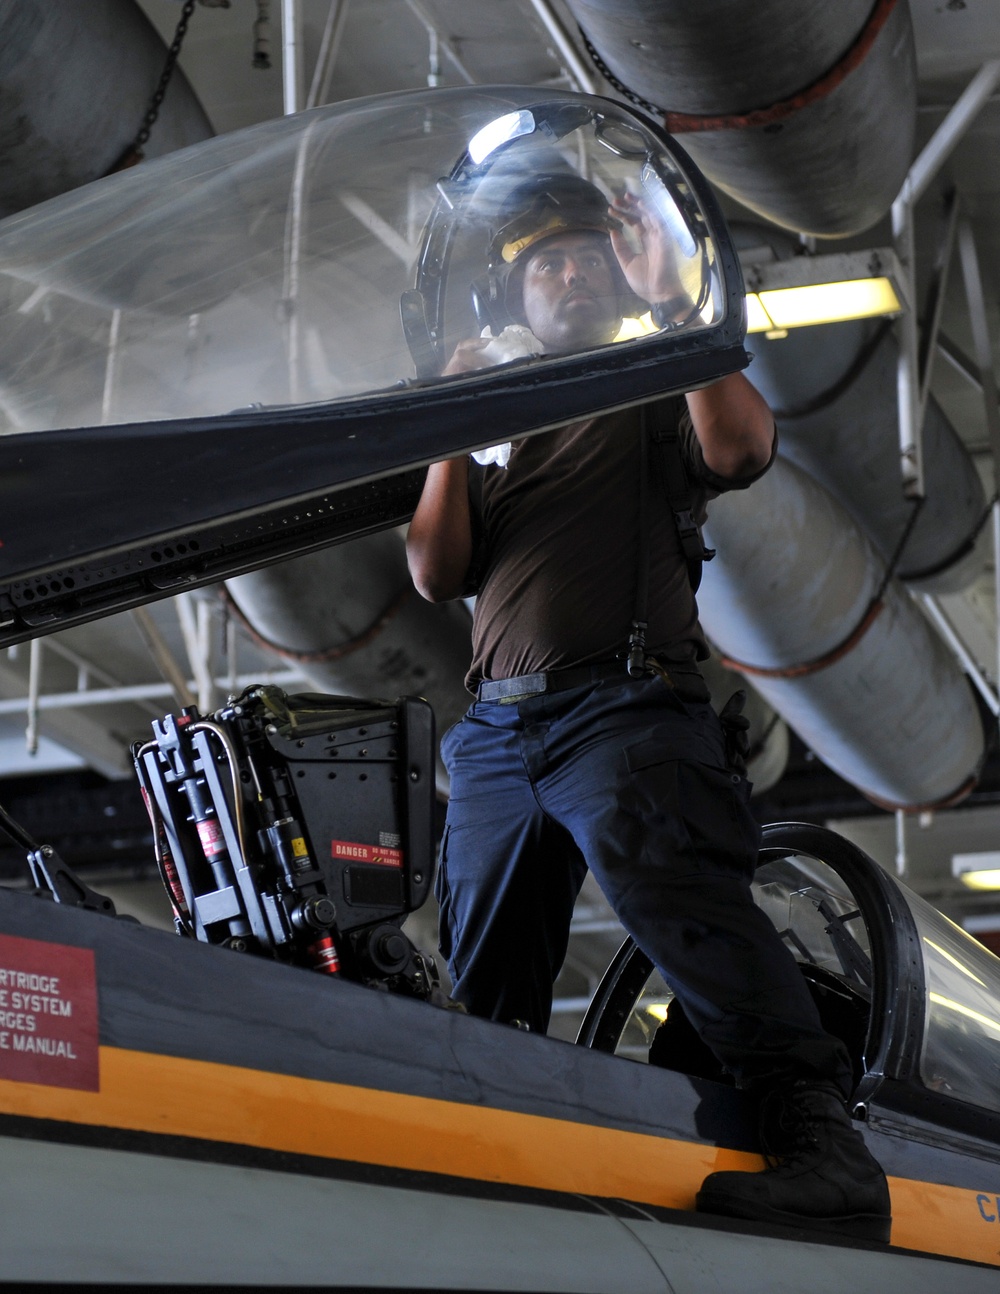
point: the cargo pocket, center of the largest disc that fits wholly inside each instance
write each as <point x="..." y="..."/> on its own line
<point x="716" y="807"/>
<point x="700" y="813"/>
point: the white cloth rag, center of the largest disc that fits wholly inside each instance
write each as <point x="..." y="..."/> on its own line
<point x="515" y="342"/>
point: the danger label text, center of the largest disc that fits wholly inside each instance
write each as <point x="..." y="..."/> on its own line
<point x="48" y="1014"/>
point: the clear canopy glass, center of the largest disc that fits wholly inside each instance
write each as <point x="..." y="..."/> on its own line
<point x="279" y="265"/>
<point x="817" y="918"/>
<point x="960" y="1056"/>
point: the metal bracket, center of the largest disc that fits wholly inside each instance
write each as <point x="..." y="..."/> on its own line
<point x="51" y="874"/>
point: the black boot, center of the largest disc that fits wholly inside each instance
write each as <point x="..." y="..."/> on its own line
<point x="819" y="1175"/>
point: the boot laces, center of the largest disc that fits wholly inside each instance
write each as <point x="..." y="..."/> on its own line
<point x="787" y="1130"/>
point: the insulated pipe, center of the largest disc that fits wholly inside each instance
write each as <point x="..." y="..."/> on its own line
<point x="874" y="692"/>
<point x="351" y="619"/>
<point x="77" y="80"/>
<point x="416" y="648"/>
<point x="833" y="392"/>
<point x="802" y="110"/>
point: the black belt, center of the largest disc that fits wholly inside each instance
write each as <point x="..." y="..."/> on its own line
<point x="508" y="690"/>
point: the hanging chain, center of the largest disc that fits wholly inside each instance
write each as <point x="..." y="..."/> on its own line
<point x="133" y="153"/>
<point x="620" y="86"/>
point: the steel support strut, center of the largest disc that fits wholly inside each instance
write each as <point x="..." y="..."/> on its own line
<point x="976" y="299"/>
<point x="909" y="386"/>
<point x="292" y="56"/>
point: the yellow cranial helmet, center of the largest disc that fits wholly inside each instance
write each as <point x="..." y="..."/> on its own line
<point x="543" y="206"/>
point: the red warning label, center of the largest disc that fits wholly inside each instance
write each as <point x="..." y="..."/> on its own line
<point x="383" y="854"/>
<point x="210" y="835"/>
<point x="48" y="1014"/>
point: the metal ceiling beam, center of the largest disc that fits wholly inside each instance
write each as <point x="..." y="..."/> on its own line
<point x="934" y="306"/>
<point x="418" y="10"/>
<point x="938" y="149"/>
<point x="327" y="56"/>
<point x="920" y="175"/>
<point x="292" y="76"/>
<point x="583" y="77"/>
<point x="196" y="629"/>
<point x="99" y="696"/>
<point x="163" y="657"/>
<point x="976" y="298"/>
<point x="79" y="733"/>
<point x="942" y="622"/>
<point x="367" y="216"/>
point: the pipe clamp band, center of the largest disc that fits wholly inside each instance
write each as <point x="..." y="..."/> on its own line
<point x="327" y="654"/>
<point x="819" y="662"/>
<point x="681" y="123"/>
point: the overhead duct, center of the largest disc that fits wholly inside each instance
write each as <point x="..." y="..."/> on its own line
<point x="833" y="392"/>
<point x="349" y="615"/>
<point x="77" y="80"/>
<point x="802" y="110"/>
<point x="351" y="619"/>
<point x="794" y="599"/>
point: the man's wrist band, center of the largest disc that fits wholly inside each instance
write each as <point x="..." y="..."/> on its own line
<point x="664" y="313"/>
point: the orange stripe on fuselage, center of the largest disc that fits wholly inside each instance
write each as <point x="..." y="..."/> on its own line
<point x="194" y="1098"/>
<point x="144" y="1092"/>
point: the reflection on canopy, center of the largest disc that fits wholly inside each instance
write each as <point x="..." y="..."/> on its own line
<point x="960" y="1056"/>
<point x="268" y="267"/>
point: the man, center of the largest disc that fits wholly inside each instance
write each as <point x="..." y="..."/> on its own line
<point x="565" y="761"/>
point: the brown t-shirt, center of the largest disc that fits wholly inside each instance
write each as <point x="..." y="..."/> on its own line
<point x="556" y="557"/>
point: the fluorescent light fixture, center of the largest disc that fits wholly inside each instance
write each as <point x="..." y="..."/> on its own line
<point x="978" y="871"/>
<point x="987" y="879"/>
<point x="758" y="319"/>
<point x="829" y="302"/>
<point x="808" y="290"/>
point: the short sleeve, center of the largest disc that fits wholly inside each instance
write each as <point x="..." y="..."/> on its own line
<point x="694" y="461"/>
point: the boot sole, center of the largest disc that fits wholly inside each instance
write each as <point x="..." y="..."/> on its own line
<point x="857" y="1226"/>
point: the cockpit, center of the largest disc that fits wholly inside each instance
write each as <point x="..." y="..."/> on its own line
<point x="257" y="326"/>
<point x="240" y="271"/>
<point x="915" y="999"/>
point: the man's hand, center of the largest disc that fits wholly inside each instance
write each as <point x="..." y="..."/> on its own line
<point x="468" y="357"/>
<point x="645" y="251"/>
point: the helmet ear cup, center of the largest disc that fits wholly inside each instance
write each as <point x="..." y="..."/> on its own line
<point x="512" y="293"/>
<point x="497" y="300"/>
<point x="489" y="304"/>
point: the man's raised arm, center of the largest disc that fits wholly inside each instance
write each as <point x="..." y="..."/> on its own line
<point x="734" y="426"/>
<point x="439" y="541"/>
<point x="731" y="419"/>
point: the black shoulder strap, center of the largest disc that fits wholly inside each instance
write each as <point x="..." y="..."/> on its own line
<point x="662" y="420"/>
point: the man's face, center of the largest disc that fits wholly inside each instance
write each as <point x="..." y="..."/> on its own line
<point x="569" y="292"/>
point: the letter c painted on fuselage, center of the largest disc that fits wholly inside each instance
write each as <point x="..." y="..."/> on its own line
<point x="983" y="1200"/>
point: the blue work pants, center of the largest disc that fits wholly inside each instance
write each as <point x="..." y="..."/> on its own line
<point x="625" y="777"/>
